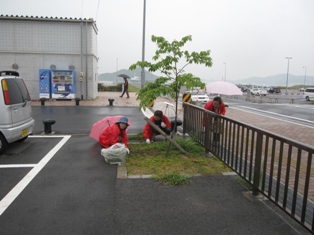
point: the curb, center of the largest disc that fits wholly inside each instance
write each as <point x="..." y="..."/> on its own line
<point x="123" y="174"/>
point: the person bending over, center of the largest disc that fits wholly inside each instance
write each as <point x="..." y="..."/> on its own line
<point x="217" y="106"/>
<point x="161" y="121"/>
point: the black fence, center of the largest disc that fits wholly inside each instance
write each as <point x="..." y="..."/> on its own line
<point x="279" y="168"/>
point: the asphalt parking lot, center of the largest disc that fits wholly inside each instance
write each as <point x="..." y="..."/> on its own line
<point x="60" y="184"/>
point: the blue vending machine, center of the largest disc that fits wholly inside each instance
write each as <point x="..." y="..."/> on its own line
<point x="45" y="83"/>
<point x="62" y="84"/>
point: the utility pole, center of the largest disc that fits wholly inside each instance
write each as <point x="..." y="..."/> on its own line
<point x="288" y="58"/>
<point x="143" y="46"/>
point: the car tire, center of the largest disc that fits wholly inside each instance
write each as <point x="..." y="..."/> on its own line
<point x="3" y="143"/>
<point x="307" y="98"/>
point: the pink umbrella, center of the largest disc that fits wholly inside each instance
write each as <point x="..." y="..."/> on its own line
<point x="223" y="88"/>
<point x="101" y="125"/>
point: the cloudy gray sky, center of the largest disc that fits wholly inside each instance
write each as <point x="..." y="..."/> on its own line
<point x="246" y="37"/>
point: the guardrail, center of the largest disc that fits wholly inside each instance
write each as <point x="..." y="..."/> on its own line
<point x="279" y="168"/>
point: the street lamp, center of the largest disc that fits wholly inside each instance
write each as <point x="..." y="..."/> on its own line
<point x="143" y="46"/>
<point x="304" y="76"/>
<point x="225" y="71"/>
<point x="288" y="58"/>
<point x="117" y="71"/>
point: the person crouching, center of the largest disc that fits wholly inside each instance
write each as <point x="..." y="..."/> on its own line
<point x="115" y="134"/>
<point x="161" y="121"/>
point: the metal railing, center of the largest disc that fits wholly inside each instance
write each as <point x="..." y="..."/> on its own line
<point x="279" y="168"/>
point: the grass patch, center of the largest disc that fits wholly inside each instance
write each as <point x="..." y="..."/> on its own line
<point x="136" y="137"/>
<point x="133" y="88"/>
<point x="152" y="160"/>
<point x="173" y="178"/>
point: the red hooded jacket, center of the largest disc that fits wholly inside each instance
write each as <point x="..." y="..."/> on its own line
<point x="148" y="129"/>
<point x="111" y="134"/>
<point x="221" y="110"/>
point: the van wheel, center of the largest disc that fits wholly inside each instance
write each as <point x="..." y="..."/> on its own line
<point x="3" y="144"/>
<point x="307" y="98"/>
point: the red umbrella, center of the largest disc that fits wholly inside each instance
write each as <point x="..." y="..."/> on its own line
<point x="101" y="125"/>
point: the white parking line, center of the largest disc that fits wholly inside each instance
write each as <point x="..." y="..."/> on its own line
<point x="17" y="165"/>
<point x="13" y="194"/>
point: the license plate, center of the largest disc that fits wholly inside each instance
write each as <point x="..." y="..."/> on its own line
<point x="24" y="132"/>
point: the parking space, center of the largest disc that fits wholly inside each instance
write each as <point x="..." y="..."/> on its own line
<point x="22" y="162"/>
<point x="64" y="177"/>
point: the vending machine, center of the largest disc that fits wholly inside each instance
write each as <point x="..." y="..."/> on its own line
<point x="44" y="83"/>
<point x="62" y="84"/>
<point x="56" y="84"/>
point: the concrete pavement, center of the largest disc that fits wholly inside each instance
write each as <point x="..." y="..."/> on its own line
<point x="209" y="205"/>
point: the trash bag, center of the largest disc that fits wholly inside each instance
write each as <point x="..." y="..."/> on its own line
<point x="115" y="154"/>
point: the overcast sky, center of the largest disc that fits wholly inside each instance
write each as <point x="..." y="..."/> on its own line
<point x="246" y="37"/>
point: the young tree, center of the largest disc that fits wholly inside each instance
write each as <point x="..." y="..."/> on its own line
<point x="171" y="60"/>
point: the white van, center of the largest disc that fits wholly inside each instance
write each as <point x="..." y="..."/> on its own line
<point x="309" y="93"/>
<point x="16" y="121"/>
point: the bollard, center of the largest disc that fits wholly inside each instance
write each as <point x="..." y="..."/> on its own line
<point x="42" y="101"/>
<point x="77" y="101"/>
<point x="110" y="101"/>
<point x="47" y="125"/>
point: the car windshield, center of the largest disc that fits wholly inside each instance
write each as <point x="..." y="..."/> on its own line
<point x="199" y="93"/>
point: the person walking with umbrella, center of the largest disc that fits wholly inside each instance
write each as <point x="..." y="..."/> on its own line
<point x="125" y="88"/>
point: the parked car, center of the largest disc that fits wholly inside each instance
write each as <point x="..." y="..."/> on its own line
<point x="16" y="121"/>
<point x="302" y="89"/>
<point x="273" y="90"/>
<point x="199" y="96"/>
<point x="258" y="91"/>
<point x="244" y="88"/>
<point x="309" y="93"/>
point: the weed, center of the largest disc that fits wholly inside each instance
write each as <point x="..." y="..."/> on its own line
<point x="173" y="178"/>
<point x="151" y="159"/>
<point x="244" y="183"/>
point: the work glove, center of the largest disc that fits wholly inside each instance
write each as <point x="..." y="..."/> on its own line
<point x="148" y="141"/>
<point x="127" y="150"/>
<point x="163" y="125"/>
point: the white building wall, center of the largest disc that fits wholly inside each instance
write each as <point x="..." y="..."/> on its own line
<point x="34" y="45"/>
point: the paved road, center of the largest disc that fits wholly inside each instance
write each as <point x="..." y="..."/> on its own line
<point x="80" y="119"/>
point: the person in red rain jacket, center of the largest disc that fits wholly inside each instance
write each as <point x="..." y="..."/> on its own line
<point x="217" y="106"/>
<point x="115" y="134"/>
<point x="161" y="121"/>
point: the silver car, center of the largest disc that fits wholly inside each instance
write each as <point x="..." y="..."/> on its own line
<point x="16" y="121"/>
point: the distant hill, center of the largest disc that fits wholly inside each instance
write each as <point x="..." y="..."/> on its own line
<point x="277" y="80"/>
<point x="111" y="77"/>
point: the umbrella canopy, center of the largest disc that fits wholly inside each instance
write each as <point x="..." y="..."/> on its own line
<point x="168" y="109"/>
<point x="223" y="88"/>
<point x="101" y="125"/>
<point x="124" y="76"/>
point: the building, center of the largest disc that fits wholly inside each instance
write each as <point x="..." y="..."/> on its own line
<point x="65" y="48"/>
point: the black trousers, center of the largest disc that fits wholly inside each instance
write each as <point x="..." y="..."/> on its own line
<point x="167" y="131"/>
